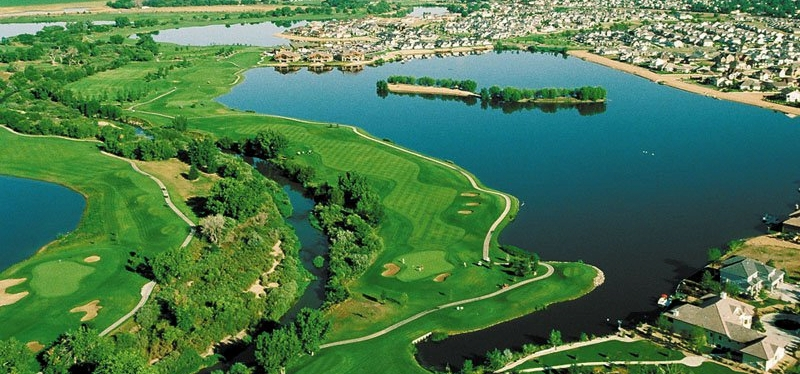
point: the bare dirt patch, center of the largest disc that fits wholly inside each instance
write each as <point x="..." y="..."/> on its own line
<point x="441" y="277"/>
<point x="473" y="204"/>
<point x="469" y="194"/>
<point x="786" y="255"/>
<point x="259" y="289"/>
<point x="11" y="298"/>
<point x="172" y="172"/>
<point x="465" y="211"/>
<point x="91" y="259"/>
<point x="91" y="309"/>
<point x="34" y="346"/>
<point x="391" y="270"/>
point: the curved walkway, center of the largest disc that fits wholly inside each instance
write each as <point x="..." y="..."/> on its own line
<point x="692" y="361"/>
<point x="134" y="106"/>
<point x="147" y="289"/>
<point x="419" y="315"/>
<point x="488" y="240"/>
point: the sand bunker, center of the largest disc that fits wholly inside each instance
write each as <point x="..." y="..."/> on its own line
<point x="91" y="259"/>
<point x="257" y="288"/>
<point x="473" y="204"/>
<point x="391" y="270"/>
<point x="441" y="277"/>
<point x="469" y="194"/>
<point x="34" y="346"/>
<point x="464" y="212"/>
<point x="90" y="309"/>
<point x="11" y="298"/>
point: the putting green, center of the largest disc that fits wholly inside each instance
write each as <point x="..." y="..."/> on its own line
<point x="423" y="264"/>
<point x="58" y="278"/>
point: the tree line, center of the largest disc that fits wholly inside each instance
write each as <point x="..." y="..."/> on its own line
<point x="463" y="85"/>
<point x="514" y="94"/>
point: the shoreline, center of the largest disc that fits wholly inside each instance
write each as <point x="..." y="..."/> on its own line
<point x="428" y="90"/>
<point x="677" y="81"/>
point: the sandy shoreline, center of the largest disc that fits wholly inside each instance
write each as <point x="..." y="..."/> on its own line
<point x="677" y="81"/>
<point x="425" y="90"/>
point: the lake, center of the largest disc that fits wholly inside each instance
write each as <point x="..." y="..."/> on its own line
<point x="33" y="214"/>
<point x="258" y="34"/>
<point x="641" y="190"/>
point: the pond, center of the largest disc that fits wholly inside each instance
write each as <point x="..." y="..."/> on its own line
<point x="641" y="189"/>
<point x="33" y="214"/>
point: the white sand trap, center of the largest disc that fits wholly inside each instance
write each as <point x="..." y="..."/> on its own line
<point x="464" y="212"/>
<point x="473" y="204"/>
<point x="11" y="298"/>
<point x="34" y="346"/>
<point x="91" y="259"/>
<point x="91" y="309"/>
<point x="469" y="194"/>
<point x="257" y="288"/>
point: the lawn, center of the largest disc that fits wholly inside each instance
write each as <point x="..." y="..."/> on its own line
<point x="125" y="212"/>
<point x="395" y="348"/>
<point x="613" y="350"/>
<point x="25" y="3"/>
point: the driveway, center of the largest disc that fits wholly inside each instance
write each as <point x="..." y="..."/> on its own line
<point x="769" y="324"/>
<point x="787" y="292"/>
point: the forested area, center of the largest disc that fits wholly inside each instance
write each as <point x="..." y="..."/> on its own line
<point x="514" y="94"/>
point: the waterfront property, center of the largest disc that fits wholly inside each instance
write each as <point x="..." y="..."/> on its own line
<point x="749" y="275"/>
<point x="726" y="324"/>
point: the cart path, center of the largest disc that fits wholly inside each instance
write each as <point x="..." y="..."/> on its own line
<point x="419" y="315"/>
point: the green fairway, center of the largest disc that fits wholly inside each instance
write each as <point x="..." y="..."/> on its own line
<point x="354" y="358"/>
<point x="125" y="213"/>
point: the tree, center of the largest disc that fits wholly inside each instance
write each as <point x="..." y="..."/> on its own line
<point x="16" y="358"/>
<point x="193" y="173"/>
<point x="714" y="254"/>
<point x="495" y="359"/>
<point x="555" y="338"/>
<point x="80" y="350"/>
<point x="203" y="153"/>
<point x="697" y="339"/>
<point x="240" y="368"/>
<point x="277" y="349"/>
<point x="124" y="362"/>
<point x="311" y="328"/>
<point x="180" y="123"/>
<point x="268" y="144"/>
<point x="212" y="227"/>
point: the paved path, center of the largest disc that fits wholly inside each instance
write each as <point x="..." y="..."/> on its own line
<point x="692" y="361"/>
<point x="419" y="315"/>
<point x="147" y="289"/>
<point x="134" y="106"/>
<point x="488" y="240"/>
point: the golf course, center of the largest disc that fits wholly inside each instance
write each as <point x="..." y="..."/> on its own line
<point x="441" y="268"/>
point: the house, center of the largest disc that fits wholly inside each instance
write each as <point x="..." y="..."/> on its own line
<point x="792" y="225"/>
<point x="726" y="323"/>
<point x="320" y="57"/>
<point x="750" y="84"/>
<point x="286" y="56"/>
<point x="351" y="56"/>
<point x="793" y="96"/>
<point x="750" y="275"/>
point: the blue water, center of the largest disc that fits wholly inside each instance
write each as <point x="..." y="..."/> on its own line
<point x="641" y="190"/>
<point x="32" y="214"/>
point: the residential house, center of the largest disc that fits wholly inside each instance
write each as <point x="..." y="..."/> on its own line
<point x="320" y="57"/>
<point x="750" y="275"/>
<point x="793" y="96"/>
<point x="726" y="323"/>
<point x="286" y="56"/>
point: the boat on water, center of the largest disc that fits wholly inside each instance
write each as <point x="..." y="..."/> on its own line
<point x="664" y="300"/>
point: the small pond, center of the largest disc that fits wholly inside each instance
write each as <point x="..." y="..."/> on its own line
<point x="33" y="214"/>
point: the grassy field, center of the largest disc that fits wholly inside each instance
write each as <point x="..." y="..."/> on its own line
<point x="613" y="350"/>
<point x="474" y="316"/>
<point x="125" y="212"/>
<point x="26" y="3"/>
